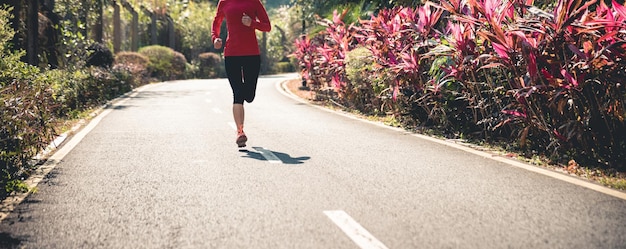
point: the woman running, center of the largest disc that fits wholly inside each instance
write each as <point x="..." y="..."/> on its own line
<point x="241" y="52"/>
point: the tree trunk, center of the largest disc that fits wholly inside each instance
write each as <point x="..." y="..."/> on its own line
<point x="32" y="29"/>
<point x="171" y="32"/>
<point x="98" y="26"/>
<point x="264" y="57"/>
<point x="117" y="28"/>
<point x="153" y="25"/>
<point x="134" y="28"/>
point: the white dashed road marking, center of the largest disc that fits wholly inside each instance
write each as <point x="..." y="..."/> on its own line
<point x="269" y="156"/>
<point x="354" y="230"/>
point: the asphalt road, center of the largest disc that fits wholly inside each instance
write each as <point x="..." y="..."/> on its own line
<point x="162" y="170"/>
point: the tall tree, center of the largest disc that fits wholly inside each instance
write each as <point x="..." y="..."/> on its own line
<point x="99" y="25"/>
<point x="32" y="29"/>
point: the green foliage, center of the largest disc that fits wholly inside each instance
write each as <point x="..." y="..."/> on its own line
<point x="25" y="103"/>
<point x="74" y="45"/>
<point x="209" y="66"/>
<point x="164" y="63"/>
<point x="100" y="56"/>
<point x="6" y="34"/>
<point x="134" y="64"/>
<point x="69" y="90"/>
<point x="179" y="65"/>
<point x="15" y="185"/>
<point x="286" y="27"/>
<point x="284" y="67"/>
<point x="23" y="112"/>
<point x="272" y="4"/>
<point x="360" y="90"/>
<point x="194" y="24"/>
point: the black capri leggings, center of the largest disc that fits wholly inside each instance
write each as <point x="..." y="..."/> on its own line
<point x="243" y="74"/>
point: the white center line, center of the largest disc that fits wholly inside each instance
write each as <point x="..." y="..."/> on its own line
<point x="269" y="156"/>
<point x="354" y="230"/>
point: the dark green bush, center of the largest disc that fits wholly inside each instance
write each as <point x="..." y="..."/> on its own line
<point x="210" y="65"/>
<point x="359" y="92"/>
<point x="68" y="91"/>
<point x="99" y="56"/>
<point x="284" y="67"/>
<point x="164" y="63"/>
<point x="179" y="65"/>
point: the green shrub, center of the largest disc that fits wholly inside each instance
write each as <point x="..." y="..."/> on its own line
<point x="66" y="90"/>
<point x="99" y="56"/>
<point x="179" y="65"/>
<point x="284" y="67"/>
<point x="210" y="65"/>
<point x="164" y="63"/>
<point x="24" y="127"/>
<point x="24" y="112"/>
<point x="359" y="92"/>
<point x="194" y="26"/>
<point x="131" y="58"/>
<point x="106" y="85"/>
<point x="77" y="91"/>
<point x="132" y="63"/>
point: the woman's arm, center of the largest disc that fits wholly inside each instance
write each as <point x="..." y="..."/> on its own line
<point x="262" y="21"/>
<point x="217" y="22"/>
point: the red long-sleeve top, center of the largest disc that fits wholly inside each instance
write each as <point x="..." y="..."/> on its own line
<point x="241" y="40"/>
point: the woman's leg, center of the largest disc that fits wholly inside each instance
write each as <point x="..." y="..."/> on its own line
<point x="239" y="116"/>
<point x="251" y="69"/>
<point x="233" y="71"/>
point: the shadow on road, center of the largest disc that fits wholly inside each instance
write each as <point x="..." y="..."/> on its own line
<point x="7" y="241"/>
<point x="284" y="157"/>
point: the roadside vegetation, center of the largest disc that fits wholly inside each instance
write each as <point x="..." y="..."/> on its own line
<point x="545" y="81"/>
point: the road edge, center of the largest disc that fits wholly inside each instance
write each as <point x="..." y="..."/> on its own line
<point x="282" y="88"/>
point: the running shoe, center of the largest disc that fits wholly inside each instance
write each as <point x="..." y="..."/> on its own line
<point x="241" y="139"/>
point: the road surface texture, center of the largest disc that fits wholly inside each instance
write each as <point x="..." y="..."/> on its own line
<point x="162" y="170"/>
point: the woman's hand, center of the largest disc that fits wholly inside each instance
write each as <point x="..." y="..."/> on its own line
<point x="217" y="43"/>
<point x="246" y="20"/>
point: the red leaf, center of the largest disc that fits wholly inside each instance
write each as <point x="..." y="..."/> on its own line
<point x="514" y="113"/>
<point x="569" y="77"/>
<point x="532" y="64"/>
<point x="575" y="49"/>
<point x="620" y="9"/>
<point x="546" y="74"/>
<point x="501" y="50"/>
<point x="559" y="136"/>
<point x="396" y="90"/>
